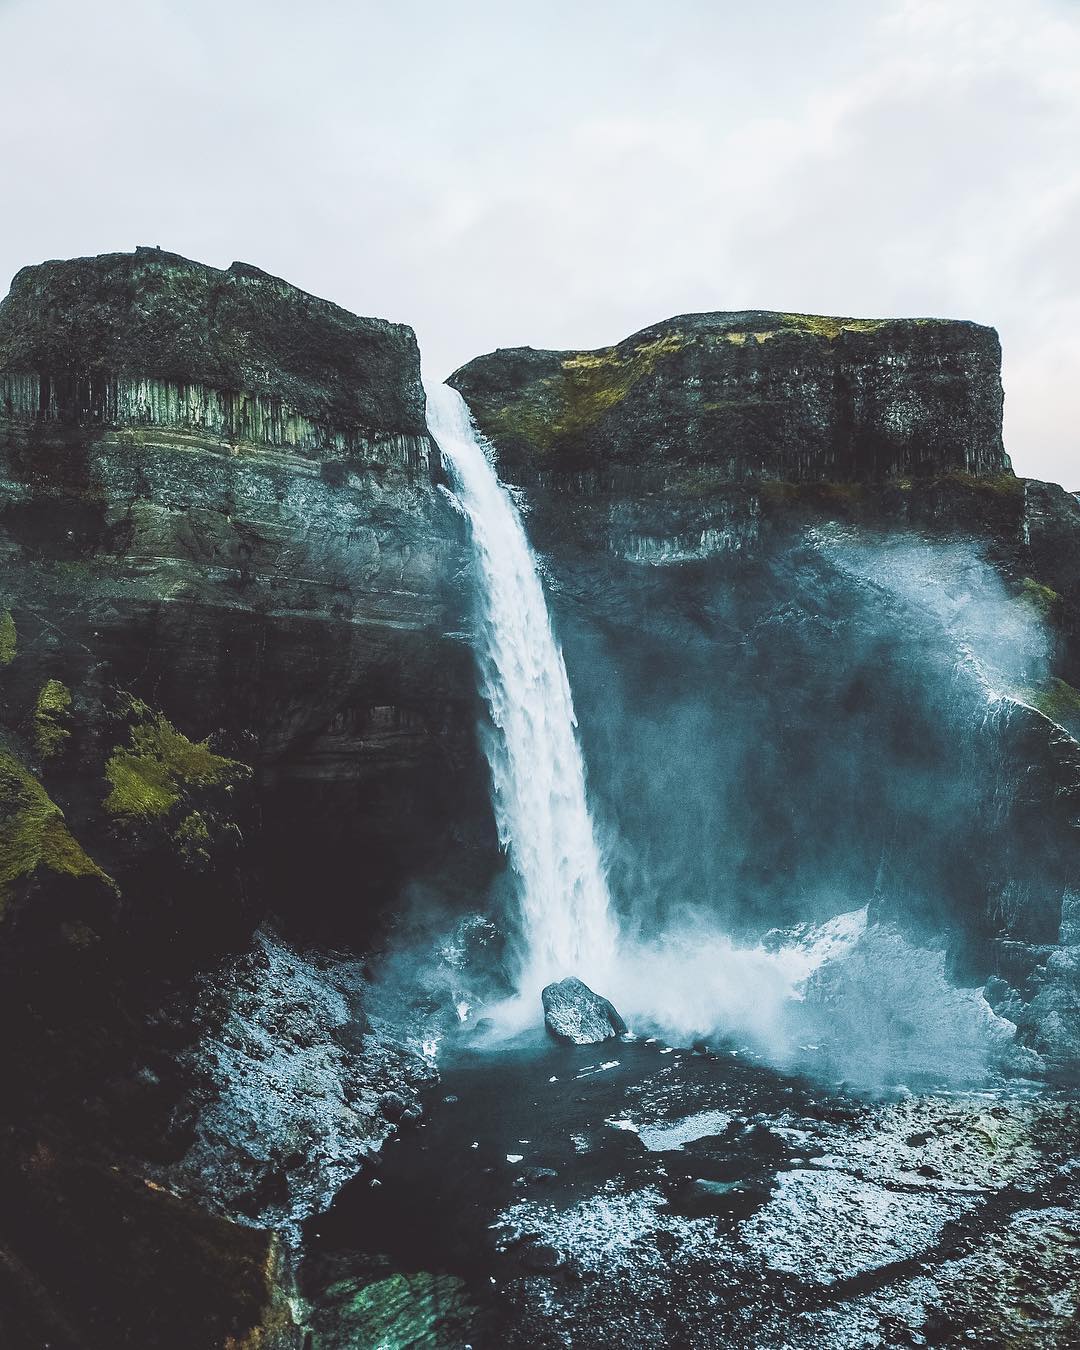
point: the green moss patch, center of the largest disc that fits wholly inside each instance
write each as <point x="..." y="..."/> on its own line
<point x="150" y="775"/>
<point x="34" y="836"/>
<point x="590" y="385"/>
<point x="821" y="325"/>
<point x="8" y="638"/>
<point x="1041" y="598"/>
<point x="1056" y="699"/>
<point x="401" y="1312"/>
<point x="1002" y="485"/>
<point x="192" y="840"/>
<point x="51" y="715"/>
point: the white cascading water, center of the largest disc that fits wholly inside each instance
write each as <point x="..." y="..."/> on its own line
<point x="537" y="773"/>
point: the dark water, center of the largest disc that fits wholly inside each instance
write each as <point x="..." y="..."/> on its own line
<point x="443" y="1183"/>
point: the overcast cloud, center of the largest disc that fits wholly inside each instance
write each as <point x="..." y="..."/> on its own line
<point x="562" y="174"/>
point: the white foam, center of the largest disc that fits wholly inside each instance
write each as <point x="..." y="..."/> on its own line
<point x="663" y="1136"/>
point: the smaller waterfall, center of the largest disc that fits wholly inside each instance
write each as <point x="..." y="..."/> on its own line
<point x="537" y="774"/>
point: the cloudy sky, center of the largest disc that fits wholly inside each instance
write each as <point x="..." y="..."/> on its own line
<point x="561" y="174"/>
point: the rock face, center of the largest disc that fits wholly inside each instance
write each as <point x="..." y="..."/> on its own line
<point x="232" y="680"/>
<point x="226" y="489"/>
<point x="690" y="437"/>
<point x="573" y="1013"/>
<point x="153" y="339"/>
<point x="294" y="1088"/>
<point x="749" y="395"/>
<point x="809" y="616"/>
<point x="235" y="681"/>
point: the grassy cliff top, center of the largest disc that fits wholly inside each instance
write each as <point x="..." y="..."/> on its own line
<point x="765" y="393"/>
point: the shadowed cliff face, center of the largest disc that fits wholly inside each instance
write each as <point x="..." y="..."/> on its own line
<point x="232" y="682"/>
<point x="217" y="494"/>
<point x="822" y="641"/>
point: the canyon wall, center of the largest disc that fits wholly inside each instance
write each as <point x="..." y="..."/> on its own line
<point x="233" y="682"/>
<point x="823" y="647"/>
<point x="822" y="640"/>
<point x="219" y="498"/>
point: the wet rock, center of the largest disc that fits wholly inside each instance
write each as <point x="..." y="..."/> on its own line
<point x="281" y="1121"/>
<point x="392" y="1106"/>
<point x="702" y="1194"/>
<point x="825" y="1226"/>
<point x="574" y="1013"/>
<point x="419" y="1310"/>
<point x="541" y="1175"/>
<point x="541" y="1257"/>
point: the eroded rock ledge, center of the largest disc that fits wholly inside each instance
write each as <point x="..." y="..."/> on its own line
<point x="154" y="339"/>
<point x="751" y="395"/>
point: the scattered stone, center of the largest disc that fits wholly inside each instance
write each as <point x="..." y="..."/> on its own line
<point x="392" y="1106"/>
<point x="543" y="1175"/>
<point x="575" y="1014"/>
<point x="541" y="1257"/>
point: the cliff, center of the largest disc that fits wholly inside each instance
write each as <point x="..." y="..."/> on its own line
<point x="233" y="682"/>
<point x="822" y="640"/>
<point x="823" y="647"/>
<point x="238" y="356"/>
<point x="749" y="396"/>
<point x="217" y="495"/>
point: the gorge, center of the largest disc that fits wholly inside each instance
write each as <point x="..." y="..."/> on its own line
<point x="730" y="669"/>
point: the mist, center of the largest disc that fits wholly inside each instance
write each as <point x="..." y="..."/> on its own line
<point x="803" y="773"/>
<point x="803" y="770"/>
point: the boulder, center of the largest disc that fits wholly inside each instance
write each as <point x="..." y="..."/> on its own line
<point x="575" y="1014"/>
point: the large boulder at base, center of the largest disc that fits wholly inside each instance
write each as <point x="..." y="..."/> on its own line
<point x="573" y="1013"/>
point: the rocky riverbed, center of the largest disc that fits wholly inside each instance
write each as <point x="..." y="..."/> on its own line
<point x="641" y="1194"/>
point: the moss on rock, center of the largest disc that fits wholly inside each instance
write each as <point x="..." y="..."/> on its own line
<point x="1055" y="699"/>
<point x="822" y="325"/>
<point x="8" y="638"/>
<point x="1041" y="598"/>
<point x="589" y="385"/>
<point x="192" y="840"/>
<point x="419" y="1311"/>
<point x="1003" y="485"/>
<point x="150" y="775"/>
<point x="51" y="714"/>
<point x="34" y="836"/>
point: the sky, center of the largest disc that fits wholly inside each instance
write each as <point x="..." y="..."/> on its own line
<point x="561" y="175"/>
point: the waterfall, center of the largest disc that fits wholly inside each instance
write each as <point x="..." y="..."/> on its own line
<point x="537" y="773"/>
